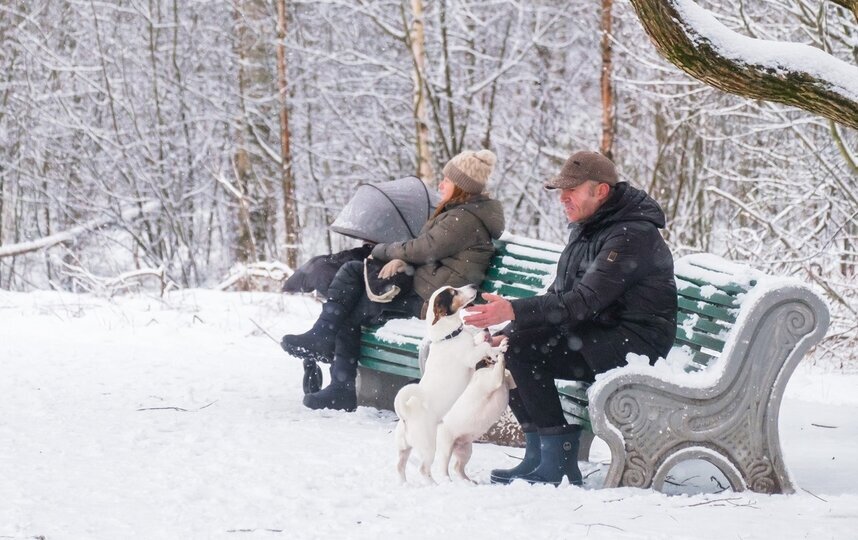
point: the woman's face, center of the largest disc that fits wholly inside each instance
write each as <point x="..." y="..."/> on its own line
<point x="446" y="189"/>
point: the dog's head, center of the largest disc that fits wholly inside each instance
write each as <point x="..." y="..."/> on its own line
<point x="448" y="301"/>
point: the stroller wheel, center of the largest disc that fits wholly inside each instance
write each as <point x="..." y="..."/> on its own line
<point x="312" y="382"/>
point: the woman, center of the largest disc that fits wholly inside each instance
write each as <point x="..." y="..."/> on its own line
<point x="453" y="248"/>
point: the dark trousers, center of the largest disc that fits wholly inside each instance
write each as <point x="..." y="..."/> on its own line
<point x="348" y="289"/>
<point x="535" y="358"/>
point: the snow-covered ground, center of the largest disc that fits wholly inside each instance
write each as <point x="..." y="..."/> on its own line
<point x="141" y="417"/>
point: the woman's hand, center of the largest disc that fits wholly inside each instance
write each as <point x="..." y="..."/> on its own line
<point x="392" y="268"/>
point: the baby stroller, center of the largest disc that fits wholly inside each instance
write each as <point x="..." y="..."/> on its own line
<point x="385" y="212"/>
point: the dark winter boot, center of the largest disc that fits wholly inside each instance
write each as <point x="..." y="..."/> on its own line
<point x="344" y="293"/>
<point x="528" y="463"/>
<point x="559" y="457"/>
<point x="318" y="343"/>
<point x="340" y="394"/>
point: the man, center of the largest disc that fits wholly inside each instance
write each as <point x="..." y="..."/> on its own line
<point x="614" y="294"/>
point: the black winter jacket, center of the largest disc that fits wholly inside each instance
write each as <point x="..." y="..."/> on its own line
<point x="614" y="292"/>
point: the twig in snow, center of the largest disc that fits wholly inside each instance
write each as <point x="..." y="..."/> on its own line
<point x="823" y="426"/>
<point x="814" y="494"/>
<point x="176" y="408"/>
<point x="589" y="525"/>
<point x="264" y="332"/>
<point x="714" y="501"/>
<point x="718" y="483"/>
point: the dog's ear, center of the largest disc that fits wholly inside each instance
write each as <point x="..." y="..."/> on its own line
<point x="438" y="313"/>
<point x="442" y="305"/>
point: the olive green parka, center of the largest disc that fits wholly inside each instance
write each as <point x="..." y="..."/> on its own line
<point x="453" y="248"/>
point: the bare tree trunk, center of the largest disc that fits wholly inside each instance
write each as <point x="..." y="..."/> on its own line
<point x="290" y="206"/>
<point x="254" y="179"/>
<point x="245" y="245"/>
<point x="417" y="39"/>
<point x="607" y="87"/>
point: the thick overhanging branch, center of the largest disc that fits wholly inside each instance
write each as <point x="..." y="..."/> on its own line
<point x="788" y="73"/>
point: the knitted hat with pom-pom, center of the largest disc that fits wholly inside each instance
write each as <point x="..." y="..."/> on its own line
<point x="471" y="170"/>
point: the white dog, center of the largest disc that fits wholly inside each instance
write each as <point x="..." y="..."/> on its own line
<point x="454" y="352"/>
<point x="477" y="409"/>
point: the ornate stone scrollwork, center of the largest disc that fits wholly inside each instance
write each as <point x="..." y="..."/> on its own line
<point x="761" y="477"/>
<point x="637" y="473"/>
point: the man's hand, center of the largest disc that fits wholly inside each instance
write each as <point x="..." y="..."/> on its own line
<point x="392" y="268"/>
<point x="497" y="310"/>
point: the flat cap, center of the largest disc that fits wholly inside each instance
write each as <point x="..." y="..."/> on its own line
<point x="582" y="166"/>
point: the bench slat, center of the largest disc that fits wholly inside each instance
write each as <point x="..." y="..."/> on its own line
<point x="709" y="310"/>
<point x="397" y="357"/>
<point x="505" y="289"/>
<point x="731" y="289"/>
<point x="694" y="291"/>
<point x="699" y="339"/>
<point x="387" y="367"/>
<point x="528" y="254"/>
<point x="374" y="341"/>
<point x="717" y="329"/>
<point x="513" y="276"/>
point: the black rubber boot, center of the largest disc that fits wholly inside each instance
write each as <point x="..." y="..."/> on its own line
<point x="318" y="343"/>
<point x="559" y="457"/>
<point x="341" y="393"/>
<point x="528" y="463"/>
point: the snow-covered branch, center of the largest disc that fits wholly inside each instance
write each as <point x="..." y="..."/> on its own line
<point x="275" y="271"/>
<point x="791" y="73"/>
<point x="20" y="248"/>
<point x="109" y="286"/>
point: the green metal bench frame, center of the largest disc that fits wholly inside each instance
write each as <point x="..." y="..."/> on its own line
<point x="759" y="327"/>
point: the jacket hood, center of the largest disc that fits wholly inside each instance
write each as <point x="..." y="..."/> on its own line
<point x="628" y="203"/>
<point x="487" y="210"/>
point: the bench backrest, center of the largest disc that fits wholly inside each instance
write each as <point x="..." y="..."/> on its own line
<point x="708" y="297"/>
<point x="521" y="267"/>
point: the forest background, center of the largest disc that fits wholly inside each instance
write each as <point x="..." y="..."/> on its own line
<point x="168" y="143"/>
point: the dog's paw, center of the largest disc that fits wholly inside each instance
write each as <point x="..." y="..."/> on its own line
<point x="503" y="345"/>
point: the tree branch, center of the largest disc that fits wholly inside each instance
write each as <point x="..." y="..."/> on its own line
<point x="851" y="5"/>
<point x="12" y="250"/>
<point x="790" y="73"/>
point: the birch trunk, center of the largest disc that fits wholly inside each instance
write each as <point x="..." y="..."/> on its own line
<point x="417" y="40"/>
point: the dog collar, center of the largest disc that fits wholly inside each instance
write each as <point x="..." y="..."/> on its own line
<point x="452" y="334"/>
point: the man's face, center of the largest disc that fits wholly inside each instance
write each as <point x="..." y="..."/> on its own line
<point x="582" y="201"/>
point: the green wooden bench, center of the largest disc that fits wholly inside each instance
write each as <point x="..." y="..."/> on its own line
<point x="740" y="335"/>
